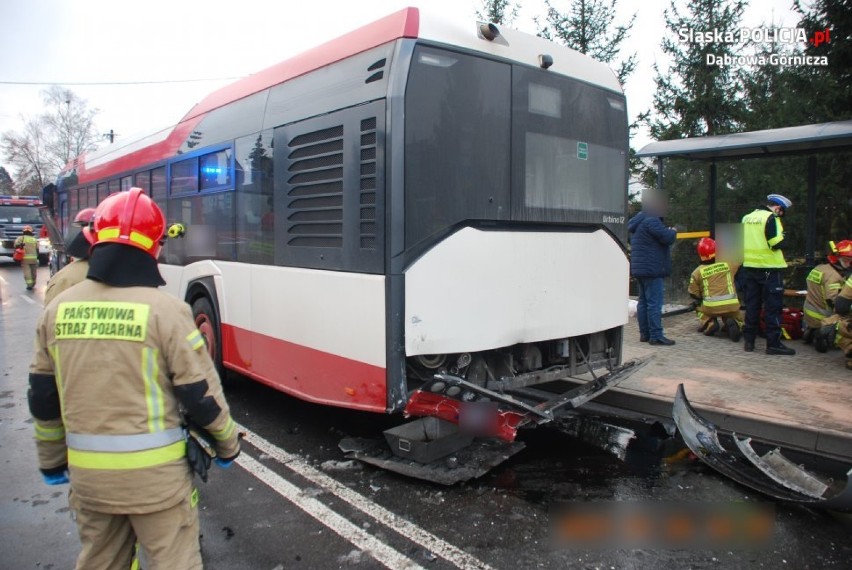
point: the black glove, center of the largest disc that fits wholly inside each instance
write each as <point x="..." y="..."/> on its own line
<point x="198" y="454"/>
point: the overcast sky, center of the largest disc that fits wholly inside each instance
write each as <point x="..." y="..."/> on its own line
<point x="151" y="42"/>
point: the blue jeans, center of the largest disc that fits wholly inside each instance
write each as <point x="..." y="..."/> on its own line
<point x="650" y="308"/>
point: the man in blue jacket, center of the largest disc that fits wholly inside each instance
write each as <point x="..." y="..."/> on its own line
<point x="650" y="262"/>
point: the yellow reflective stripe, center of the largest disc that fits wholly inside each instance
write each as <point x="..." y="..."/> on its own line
<point x="126" y="460"/>
<point x="57" y="374"/>
<point x="195" y="339"/>
<point x="226" y="432"/>
<point x="134" y="565"/>
<point x="154" y="396"/>
<point x="43" y="433"/>
<point x="815" y="276"/>
<point x="834" y="286"/>
<point x="135" y="237"/>
<point x="108" y="233"/>
<point x="816" y="314"/>
<point x="731" y="302"/>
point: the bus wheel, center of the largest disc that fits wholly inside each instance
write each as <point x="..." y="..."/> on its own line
<point x="208" y="326"/>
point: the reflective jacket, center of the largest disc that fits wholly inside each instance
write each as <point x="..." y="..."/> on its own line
<point x="843" y="302"/>
<point x="713" y="285"/>
<point x="111" y="367"/>
<point x="30" y="245"/>
<point x="71" y="274"/>
<point x="758" y="251"/>
<point x="824" y="283"/>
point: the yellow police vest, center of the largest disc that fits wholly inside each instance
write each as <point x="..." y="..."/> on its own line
<point x="757" y="251"/>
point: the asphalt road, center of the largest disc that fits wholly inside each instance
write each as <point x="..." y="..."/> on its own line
<point x="294" y="501"/>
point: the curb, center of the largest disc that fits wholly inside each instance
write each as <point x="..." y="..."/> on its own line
<point x="831" y="444"/>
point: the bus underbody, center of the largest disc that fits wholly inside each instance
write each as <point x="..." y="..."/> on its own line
<point x="470" y="405"/>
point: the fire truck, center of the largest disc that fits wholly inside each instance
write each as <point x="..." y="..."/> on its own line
<point x="16" y="212"/>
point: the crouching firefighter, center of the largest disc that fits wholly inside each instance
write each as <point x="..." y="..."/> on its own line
<point x="712" y="285"/>
<point x="824" y="283"/>
<point x="115" y="362"/>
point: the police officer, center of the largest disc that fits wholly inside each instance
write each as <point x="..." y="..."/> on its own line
<point x="116" y="363"/>
<point x="763" y="264"/>
<point x="78" y="249"/>
<point x="30" y="261"/>
<point x="823" y="285"/>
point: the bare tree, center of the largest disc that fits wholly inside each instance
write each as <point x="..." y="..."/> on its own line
<point x="48" y="141"/>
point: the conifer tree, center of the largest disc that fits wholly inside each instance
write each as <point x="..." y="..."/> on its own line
<point x="588" y="27"/>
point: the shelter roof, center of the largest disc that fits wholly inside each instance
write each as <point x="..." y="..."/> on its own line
<point x="804" y="139"/>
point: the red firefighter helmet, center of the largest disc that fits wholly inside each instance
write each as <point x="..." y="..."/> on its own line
<point x="84" y="217"/>
<point x="27" y="229"/>
<point x="706" y="249"/>
<point x="130" y="218"/>
<point x="844" y="248"/>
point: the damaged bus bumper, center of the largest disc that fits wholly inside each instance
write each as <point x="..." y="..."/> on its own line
<point x="488" y="420"/>
<point x="771" y="474"/>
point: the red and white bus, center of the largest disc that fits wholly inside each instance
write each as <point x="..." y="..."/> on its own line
<point x="418" y="197"/>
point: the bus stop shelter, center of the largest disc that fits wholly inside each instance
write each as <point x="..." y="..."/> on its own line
<point x="805" y="141"/>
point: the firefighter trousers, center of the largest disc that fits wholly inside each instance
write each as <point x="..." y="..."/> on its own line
<point x="29" y="273"/>
<point x="168" y="539"/>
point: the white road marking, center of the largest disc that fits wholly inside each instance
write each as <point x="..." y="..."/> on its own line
<point x="383" y="553"/>
<point x="27" y="299"/>
<point x="409" y="530"/>
<point x="3" y="280"/>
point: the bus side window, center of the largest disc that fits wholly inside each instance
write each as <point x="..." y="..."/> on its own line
<point x="184" y="177"/>
<point x="158" y="186"/>
<point x="143" y="180"/>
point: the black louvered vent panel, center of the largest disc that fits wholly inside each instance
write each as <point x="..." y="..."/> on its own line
<point x="368" y="184"/>
<point x="378" y="65"/>
<point x="315" y="205"/>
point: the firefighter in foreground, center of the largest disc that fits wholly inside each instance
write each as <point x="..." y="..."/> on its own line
<point x="116" y="364"/>
<point x="30" y="261"/>
<point x="763" y="265"/>
<point x="78" y="249"/>
<point x="823" y="284"/>
<point x="712" y="285"/>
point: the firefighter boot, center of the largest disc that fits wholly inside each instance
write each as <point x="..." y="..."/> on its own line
<point x="808" y="337"/>
<point x="734" y="331"/>
<point x="712" y="327"/>
<point x="824" y="337"/>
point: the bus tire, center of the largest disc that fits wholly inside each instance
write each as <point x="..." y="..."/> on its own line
<point x="207" y="322"/>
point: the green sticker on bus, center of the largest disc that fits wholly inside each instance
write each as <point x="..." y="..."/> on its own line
<point x="582" y="150"/>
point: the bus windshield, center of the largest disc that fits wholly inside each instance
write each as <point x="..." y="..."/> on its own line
<point x="488" y="140"/>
